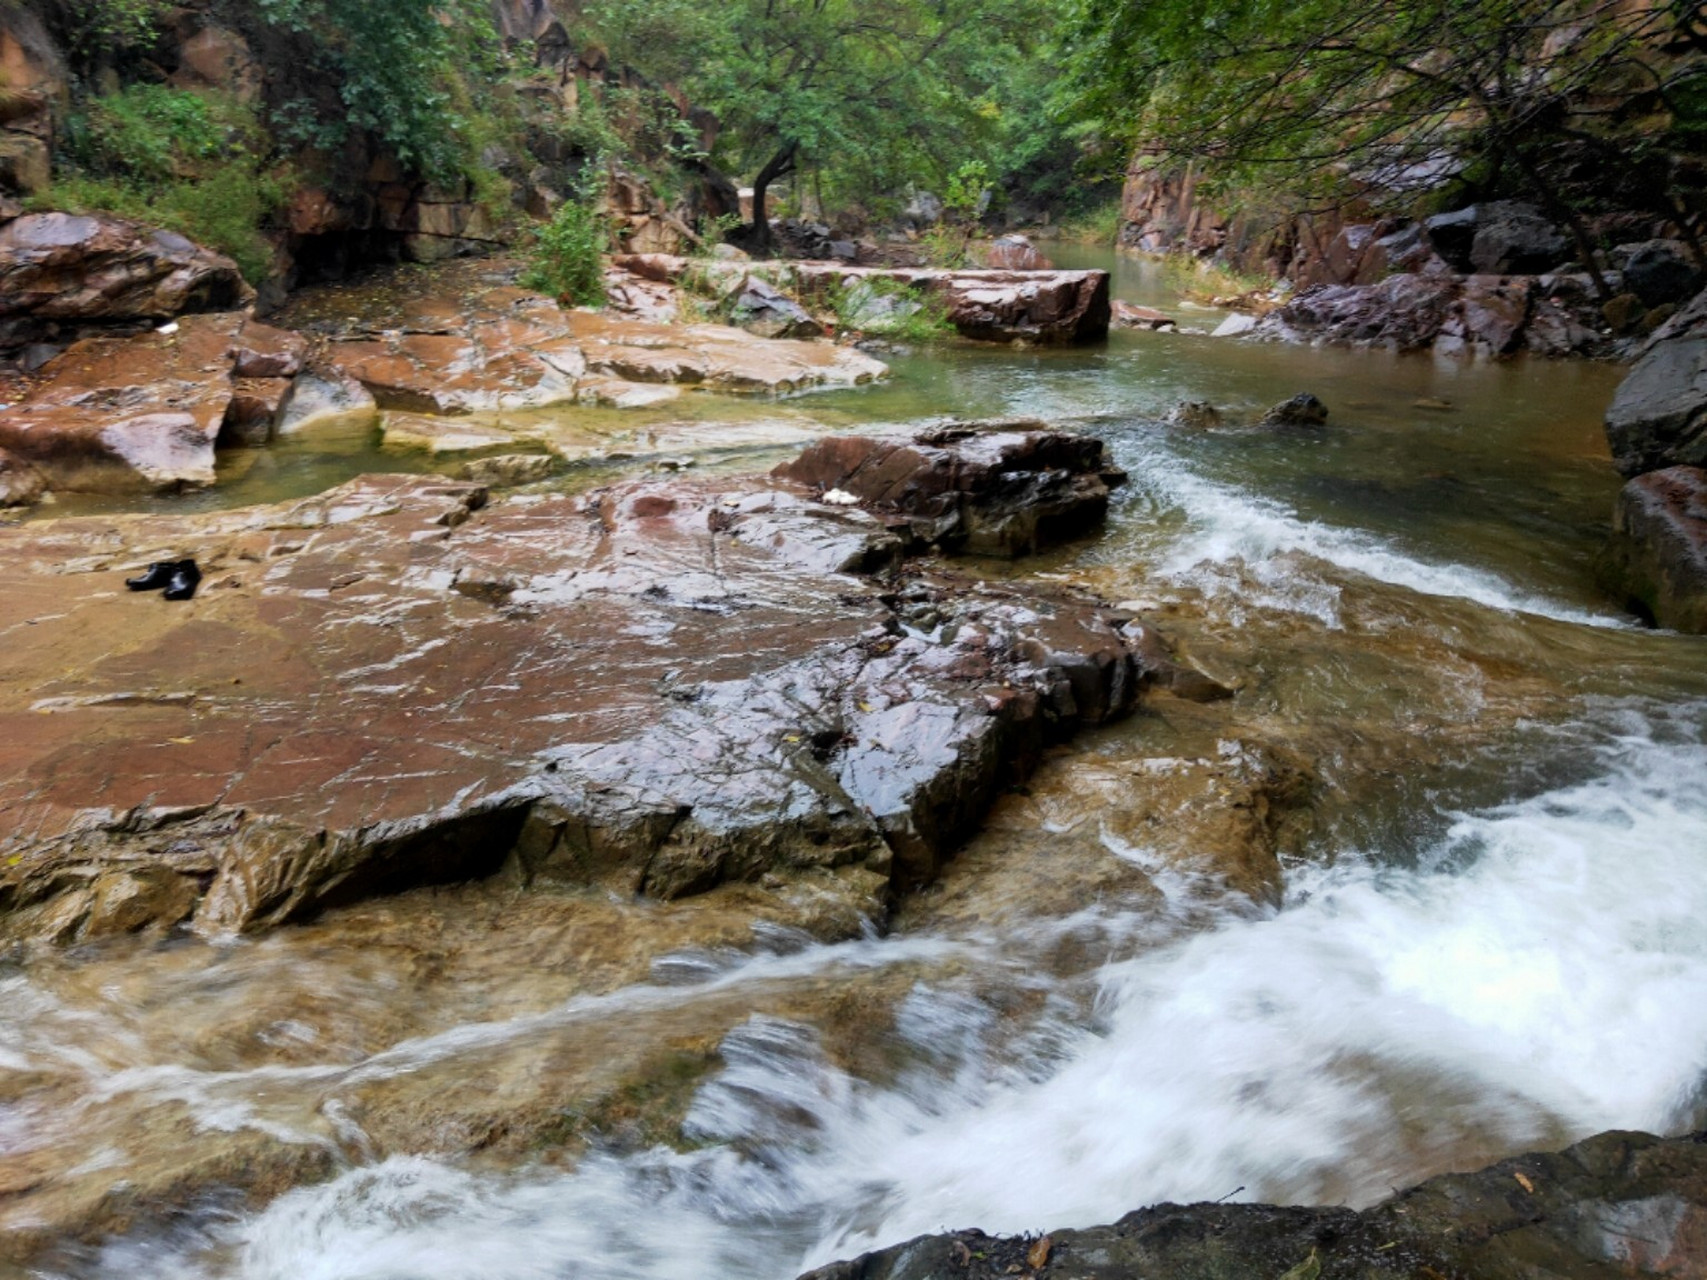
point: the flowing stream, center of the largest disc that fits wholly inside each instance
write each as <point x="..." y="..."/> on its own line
<point x="1488" y="938"/>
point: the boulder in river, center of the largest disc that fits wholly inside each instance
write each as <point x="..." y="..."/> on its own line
<point x="1005" y="487"/>
<point x="1657" y="560"/>
<point x="1619" y="1204"/>
<point x="656" y="688"/>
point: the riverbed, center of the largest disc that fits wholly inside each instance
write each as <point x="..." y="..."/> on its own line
<point x="1485" y="939"/>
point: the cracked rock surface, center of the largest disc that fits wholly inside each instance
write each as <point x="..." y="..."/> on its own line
<point x="659" y="687"/>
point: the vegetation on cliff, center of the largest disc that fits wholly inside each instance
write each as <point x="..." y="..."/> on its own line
<point x="1582" y="107"/>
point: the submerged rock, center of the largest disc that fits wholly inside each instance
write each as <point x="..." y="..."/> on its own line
<point x="1126" y="315"/>
<point x="658" y="687"/>
<point x="1006" y="487"/>
<point x="1618" y="1204"/>
<point x="1302" y="410"/>
<point x="1657" y="560"/>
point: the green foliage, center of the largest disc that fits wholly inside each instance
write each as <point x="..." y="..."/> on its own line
<point x="194" y="162"/>
<point x="946" y="247"/>
<point x="1575" y="104"/>
<point x="403" y="68"/>
<point x="568" y="258"/>
<point x="858" y="97"/>
<point x="150" y="133"/>
<point x="888" y="308"/>
<point x="93" y="28"/>
<point x="968" y="188"/>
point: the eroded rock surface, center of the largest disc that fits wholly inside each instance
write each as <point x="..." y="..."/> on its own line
<point x="1619" y="1204"/>
<point x="661" y="687"/>
<point x="997" y="306"/>
<point x="74" y="270"/>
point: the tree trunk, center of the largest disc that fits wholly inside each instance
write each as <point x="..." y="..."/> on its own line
<point x="759" y="235"/>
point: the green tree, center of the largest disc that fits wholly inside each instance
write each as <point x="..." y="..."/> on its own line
<point x="1578" y="106"/>
<point x="876" y="93"/>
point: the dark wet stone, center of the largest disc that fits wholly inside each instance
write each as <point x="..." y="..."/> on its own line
<point x="1007" y="487"/>
<point x="1302" y="410"/>
<point x="1619" y="1204"/>
<point x="1658" y="416"/>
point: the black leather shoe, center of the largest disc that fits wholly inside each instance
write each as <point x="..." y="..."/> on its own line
<point x="183" y="581"/>
<point x="154" y="576"/>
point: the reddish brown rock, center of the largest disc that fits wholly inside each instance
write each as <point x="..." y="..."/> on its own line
<point x="1008" y="487"/>
<point x="262" y="351"/>
<point x="124" y="413"/>
<point x="467" y="340"/>
<point x="1658" y="556"/>
<point x="658" y="687"/>
<point x="76" y="270"/>
<point x="1015" y="253"/>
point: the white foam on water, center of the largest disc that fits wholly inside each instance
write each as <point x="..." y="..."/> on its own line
<point x="1539" y="976"/>
<point x="1227" y="525"/>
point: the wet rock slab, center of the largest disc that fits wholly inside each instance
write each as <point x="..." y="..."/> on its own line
<point x="1473" y="315"/>
<point x="994" y="306"/>
<point x="660" y="687"/>
<point x="1619" y="1204"/>
<point x="148" y="411"/>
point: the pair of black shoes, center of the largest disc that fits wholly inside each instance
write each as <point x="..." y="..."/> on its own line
<point x="179" y="578"/>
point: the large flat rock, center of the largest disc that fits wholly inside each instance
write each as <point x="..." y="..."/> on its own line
<point x="660" y="687"/>
<point x="994" y="306"/>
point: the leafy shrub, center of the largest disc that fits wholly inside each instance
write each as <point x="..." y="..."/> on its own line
<point x="192" y="162"/>
<point x="148" y="133"/>
<point x="568" y="256"/>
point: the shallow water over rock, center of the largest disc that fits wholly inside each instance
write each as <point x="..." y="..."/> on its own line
<point x="1422" y="893"/>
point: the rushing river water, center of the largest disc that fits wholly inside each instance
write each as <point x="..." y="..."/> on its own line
<point x="1489" y="937"/>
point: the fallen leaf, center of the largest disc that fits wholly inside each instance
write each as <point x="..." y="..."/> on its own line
<point x="182" y="742"/>
<point x="1038" y="1255"/>
<point x="1309" y="1269"/>
<point x="866" y="706"/>
<point x="1525" y="1183"/>
<point x="961" y="1254"/>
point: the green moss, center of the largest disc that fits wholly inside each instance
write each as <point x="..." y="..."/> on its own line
<point x="891" y="309"/>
